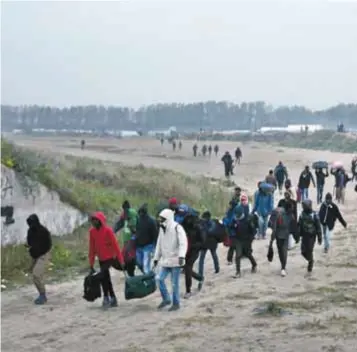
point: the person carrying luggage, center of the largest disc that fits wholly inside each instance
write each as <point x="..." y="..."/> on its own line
<point x="104" y="246"/>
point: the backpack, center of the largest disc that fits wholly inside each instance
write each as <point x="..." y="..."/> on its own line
<point x="308" y="223"/>
<point x="219" y="231"/>
<point x="92" y="289"/>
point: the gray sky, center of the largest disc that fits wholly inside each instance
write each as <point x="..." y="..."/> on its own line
<point x="141" y="52"/>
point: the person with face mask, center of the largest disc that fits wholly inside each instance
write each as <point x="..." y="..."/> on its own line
<point x="328" y="214"/>
<point x="171" y="249"/>
<point x="104" y="246"/>
<point x="308" y="229"/>
<point x="39" y="243"/>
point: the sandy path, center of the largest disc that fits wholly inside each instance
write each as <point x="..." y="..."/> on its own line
<point x="219" y="318"/>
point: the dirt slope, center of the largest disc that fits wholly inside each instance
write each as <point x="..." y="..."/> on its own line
<point x="220" y="318"/>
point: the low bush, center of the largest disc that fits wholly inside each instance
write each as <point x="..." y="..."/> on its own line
<point x="93" y="185"/>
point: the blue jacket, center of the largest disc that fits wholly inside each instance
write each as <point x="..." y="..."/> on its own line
<point x="230" y="221"/>
<point x="263" y="203"/>
<point x="182" y="211"/>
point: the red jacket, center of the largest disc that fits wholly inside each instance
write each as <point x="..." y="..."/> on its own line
<point x="102" y="242"/>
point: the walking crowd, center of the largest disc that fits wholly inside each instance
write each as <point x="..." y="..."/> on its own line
<point x="170" y="242"/>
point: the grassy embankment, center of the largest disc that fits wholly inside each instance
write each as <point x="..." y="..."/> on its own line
<point x="91" y="185"/>
<point x="320" y="140"/>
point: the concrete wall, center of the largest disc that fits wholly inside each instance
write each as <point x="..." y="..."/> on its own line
<point x="58" y="217"/>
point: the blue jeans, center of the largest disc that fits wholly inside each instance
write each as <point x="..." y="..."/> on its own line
<point x="263" y="225"/>
<point x="304" y="193"/>
<point x="175" y="282"/>
<point x="320" y="191"/>
<point x="201" y="262"/>
<point x="143" y="257"/>
<point x="327" y="237"/>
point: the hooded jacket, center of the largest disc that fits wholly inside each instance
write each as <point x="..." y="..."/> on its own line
<point x="263" y="203"/>
<point x="102" y="242"/>
<point x="38" y="237"/>
<point x="328" y="215"/>
<point x="172" y="241"/>
<point x="146" y="229"/>
<point x="131" y="216"/>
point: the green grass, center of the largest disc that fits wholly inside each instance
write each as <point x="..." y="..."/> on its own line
<point x="93" y="185"/>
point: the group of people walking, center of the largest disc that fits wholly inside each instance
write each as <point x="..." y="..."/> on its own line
<point x="177" y="236"/>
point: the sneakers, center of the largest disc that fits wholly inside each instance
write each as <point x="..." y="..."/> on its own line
<point x="113" y="302"/>
<point x="106" y="302"/>
<point x="174" y="308"/>
<point x="163" y="304"/>
<point x="229" y="263"/>
<point x="187" y="295"/>
<point x="283" y="273"/>
<point x="237" y="275"/>
<point x="41" y="299"/>
<point x="254" y="269"/>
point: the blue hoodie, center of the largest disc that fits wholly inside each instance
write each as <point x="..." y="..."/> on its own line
<point x="263" y="203"/>
<point x="230" y="221"/>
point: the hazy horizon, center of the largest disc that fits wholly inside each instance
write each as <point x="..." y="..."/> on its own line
<point x="140" y="53"/>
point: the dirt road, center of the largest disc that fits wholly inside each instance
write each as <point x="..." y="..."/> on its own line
<point x="322" y="310"/>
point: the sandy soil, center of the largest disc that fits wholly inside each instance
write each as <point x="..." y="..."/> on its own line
<point x="221" y="317"/>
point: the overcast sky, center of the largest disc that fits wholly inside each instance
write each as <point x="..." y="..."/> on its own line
<point x="142" y="52"/>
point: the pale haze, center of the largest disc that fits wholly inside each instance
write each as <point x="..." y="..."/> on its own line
<point x="142" y="52"/>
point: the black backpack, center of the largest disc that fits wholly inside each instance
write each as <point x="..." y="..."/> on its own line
<point x="92" y="289"/>
<point x="219" y="231"/>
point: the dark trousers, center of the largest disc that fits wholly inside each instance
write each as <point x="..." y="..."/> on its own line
<point x="307" y="250"/>
<point x="230" y="253"/>
<point x="244" y="249"/>
<point x="282" y="244"/>
<point x="130" y="268"/>
<point x="106" y="280"/>
<point x="191" y="258"/>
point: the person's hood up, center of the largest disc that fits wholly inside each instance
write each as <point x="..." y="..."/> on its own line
<point x="183" y="209"/>
<point x="168" y="215"/>
<point x="143" y="210"/>
<point x="33" y="220"/>
<point x="99" y="216"/>
<point x="307" y="205"/>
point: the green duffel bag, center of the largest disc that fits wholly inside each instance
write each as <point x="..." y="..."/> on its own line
<point x="139" y="286"/>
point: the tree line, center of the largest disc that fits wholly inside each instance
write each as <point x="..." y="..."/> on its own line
<point x="194" y="116"/>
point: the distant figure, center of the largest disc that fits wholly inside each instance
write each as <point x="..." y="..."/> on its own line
<point x="204" y="150"/>
<point x="173" y="145"/>
<point x="209" y="150"/>
<point x="83" y="144"/>
<point x="162" y="141"/>
<point x="228" y="164"/>
<point x="194" y="148"/>
<point x="281" y="174"/>
<point x="270" y="178"/>
<point x="180" y="145"/>
<point x="238" y="155"/>
<point x="216" y="149"/>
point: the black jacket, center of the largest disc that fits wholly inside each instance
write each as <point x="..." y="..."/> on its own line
<point x="300" y="226"/>
<point x="320" y="177"/>
<point x="146" y="228"/>
<point x="195" y="234"/>
<point x="328" y="215"/>
<point x="38" y="237"/>
<point x="305" y="180"/>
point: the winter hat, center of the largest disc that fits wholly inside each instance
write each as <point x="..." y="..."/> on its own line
<point x="126" y="204"/>
<point x="173" y="201"/>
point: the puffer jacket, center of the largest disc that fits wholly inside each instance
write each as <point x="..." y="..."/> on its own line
<point x="172" y="241"/>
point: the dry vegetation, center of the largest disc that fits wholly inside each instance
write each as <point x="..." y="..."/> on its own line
<point x="92" y="185"/>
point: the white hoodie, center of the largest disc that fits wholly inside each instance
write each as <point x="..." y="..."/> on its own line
<point x="172" y="242"/>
